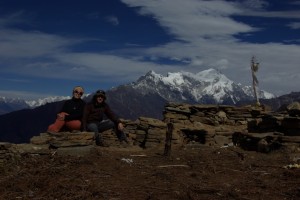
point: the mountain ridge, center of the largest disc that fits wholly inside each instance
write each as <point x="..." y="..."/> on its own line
<point x="193" y="87"/>
<point x="190" y="87"/>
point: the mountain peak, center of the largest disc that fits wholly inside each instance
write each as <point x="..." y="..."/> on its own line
<point x="151" y="73"/>
<point x="211" y="74"/>
<point x="194" y="88"/>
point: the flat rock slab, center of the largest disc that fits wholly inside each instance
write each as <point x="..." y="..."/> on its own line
<point x="75" y="151"/>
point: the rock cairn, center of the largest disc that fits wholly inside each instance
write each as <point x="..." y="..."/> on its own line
<point x="270" y="130"/>
<point x="250" y="127"/>
<point x="206" y="124"/>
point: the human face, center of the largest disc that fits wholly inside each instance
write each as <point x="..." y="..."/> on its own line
<point x="100" y="99"/>
<point x="77" y="93"/>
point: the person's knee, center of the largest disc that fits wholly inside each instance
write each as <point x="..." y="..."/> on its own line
<point x="92" y="127"/>
<point x="73" y="125"/>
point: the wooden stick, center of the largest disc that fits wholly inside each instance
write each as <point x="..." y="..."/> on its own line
<point x="163" y="166"/>
<point x="168" y="142"/>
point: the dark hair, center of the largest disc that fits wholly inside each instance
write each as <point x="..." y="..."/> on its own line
<point x="99" y="93"/>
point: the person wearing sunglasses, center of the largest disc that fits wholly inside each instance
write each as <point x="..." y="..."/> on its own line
<point x="69" y="118"/>
<point x="98" y="117"/>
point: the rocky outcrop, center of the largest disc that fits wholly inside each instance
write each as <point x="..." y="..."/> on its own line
<point x="250" y="127"/>
<point x="206" y="124"/>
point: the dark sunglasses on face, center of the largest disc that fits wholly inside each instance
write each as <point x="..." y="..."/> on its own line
<point x="77" y="92"/>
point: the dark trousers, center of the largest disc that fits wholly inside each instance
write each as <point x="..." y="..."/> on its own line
<point x="99" y="127"/>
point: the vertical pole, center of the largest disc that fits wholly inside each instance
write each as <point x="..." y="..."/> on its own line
<point x="168" y="142"/>
<point x="254" y="88"/>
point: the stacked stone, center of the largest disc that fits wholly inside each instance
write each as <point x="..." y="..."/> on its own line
<point x="149" y="132"/>
<point x="221" y="125"/>
<point x="192" y="125"/>
<point x="63" y="139"/>
<point x="287" y="123"/>
<point x="144" y="132"/>
<point x="4" y="152"/>
<point x="64" y="143"/>
<point x="274" y="130"/>
<point x="291" y="126"/>
<point x="206" y="124"/>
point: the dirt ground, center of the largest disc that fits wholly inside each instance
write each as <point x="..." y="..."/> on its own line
<point x="131" y="173"/>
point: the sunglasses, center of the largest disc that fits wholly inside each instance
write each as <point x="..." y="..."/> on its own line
<point x="77" y="92"/>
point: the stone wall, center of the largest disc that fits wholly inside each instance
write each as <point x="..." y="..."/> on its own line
<point x="250" y="127"/>
<point x="206" y="124"/>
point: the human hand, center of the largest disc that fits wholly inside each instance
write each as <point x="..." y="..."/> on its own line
<point x="120" y="126"/>
<point x="61" y="117"/>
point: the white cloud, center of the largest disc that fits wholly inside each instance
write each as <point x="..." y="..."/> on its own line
<point x="255" y="4"/>
<point x="204" y="31"/>
<point x="294" y="25"/>
<point x="190" y="20"/>
<point x="208" y="31"/>
<point x="16" y="43"/>
<point x="102" y="66"/>
<point x="113" y="20"/>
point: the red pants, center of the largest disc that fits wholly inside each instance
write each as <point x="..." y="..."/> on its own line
<point x="59" y="124"/>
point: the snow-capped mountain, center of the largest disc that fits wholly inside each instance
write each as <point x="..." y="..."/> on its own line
<point x="39" y="102"/>
<point x="13" y="104"/>
<point x="208" y="86"/>
<point x="261" y="93"/>
<point x="11" y="100"/>
<point x="51" y="99"/>
<point x="10" y="104"/>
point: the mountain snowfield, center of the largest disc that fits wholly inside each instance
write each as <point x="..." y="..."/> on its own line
<point x="40" y="102"/>
<point x="196" y="87"/>
<point x="11" y="100"/>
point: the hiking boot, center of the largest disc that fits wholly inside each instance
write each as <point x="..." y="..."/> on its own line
<point x="101" y="143"/>
<point x="124" y="143"/>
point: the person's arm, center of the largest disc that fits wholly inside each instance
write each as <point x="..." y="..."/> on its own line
<point x="62" y="113"/>
<point x="111" y="115"/>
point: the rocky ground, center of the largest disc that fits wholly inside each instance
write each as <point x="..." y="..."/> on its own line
<point x="133" y="173"/>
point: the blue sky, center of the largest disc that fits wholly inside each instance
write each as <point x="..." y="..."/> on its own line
<point x="47" y="47"/>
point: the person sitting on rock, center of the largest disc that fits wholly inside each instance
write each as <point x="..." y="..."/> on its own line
<point x="71" y="113"/>
<point x="98" y="117"/>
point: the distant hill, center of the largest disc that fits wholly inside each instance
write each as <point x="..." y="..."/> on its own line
<point x="280" y="103"/>
<point x="20" y="126"/>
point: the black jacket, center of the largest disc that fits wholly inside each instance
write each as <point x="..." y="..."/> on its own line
<point x="94" y="112"/>
<point x="74" y="107"/>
